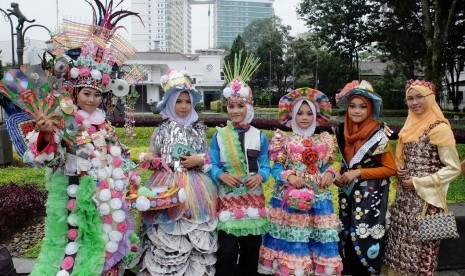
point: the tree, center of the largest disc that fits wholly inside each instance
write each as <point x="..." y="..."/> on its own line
<point x="340" y="25"/>
<point x="262" y="27"/>
<point x="236" y="47"/>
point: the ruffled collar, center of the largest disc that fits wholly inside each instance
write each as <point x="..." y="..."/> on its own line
<point x="87" y="119"/>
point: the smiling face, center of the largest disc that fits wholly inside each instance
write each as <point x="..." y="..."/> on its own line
<point x="357" y="110"/>
<point x="237" y="111"/>
<point x="183" y="105"/>
<point x="89" y="99"/>
<point x="416" y="101"/>
<point x="304" y="117"/>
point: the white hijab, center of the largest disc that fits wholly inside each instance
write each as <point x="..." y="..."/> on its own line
<point x="169" y="112"/>
<point x="295" y="128"/>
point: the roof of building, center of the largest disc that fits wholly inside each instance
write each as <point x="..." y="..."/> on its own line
<point x="372" y="68"/>
<point x="160" y="55"/>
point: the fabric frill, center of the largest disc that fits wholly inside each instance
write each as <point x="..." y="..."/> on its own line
<point x="90" y="257"/>
<point x="301" y="242"/>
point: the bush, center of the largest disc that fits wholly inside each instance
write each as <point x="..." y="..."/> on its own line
<point x="19" y="205"/>
<point x="216" y="106"/>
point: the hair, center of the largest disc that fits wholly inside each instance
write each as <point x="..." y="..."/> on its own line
<point x="106" y="104"/>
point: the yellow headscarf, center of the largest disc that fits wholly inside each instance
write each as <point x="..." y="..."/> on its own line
<point x="415" y="125"/>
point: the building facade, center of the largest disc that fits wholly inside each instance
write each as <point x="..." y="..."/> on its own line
<point x="205" y="66"/>
<point x="232" y="16"/>
<point x="165" y="26"/>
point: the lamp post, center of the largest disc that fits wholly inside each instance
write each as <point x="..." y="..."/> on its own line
<point x="6" y="152"/>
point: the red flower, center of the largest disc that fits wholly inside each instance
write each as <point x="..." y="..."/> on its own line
<point x="307" y="142"/>
<point x="309" y="157"/>
<point x="312" y="169"/>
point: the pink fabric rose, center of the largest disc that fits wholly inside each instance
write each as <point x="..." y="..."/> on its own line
<point x="103" y="184"/>
<point x="106" y="79"/>
<point x="108" y="219"/>
<point x="71" y="204"/>
<point x="236" y="86"/>
<point x="267" y="263"/>
<point x="121" y="227"/>
<point x="91" y="130"/>
<point x="285" y="270"/>
<point x="117" y="161"/>
<point x="84" y="71"/>
<point x="238" y="214"/>
<point x="78" y="117"/>
<point x="72" y="234"/>
<point x="134" y="247"/>
<point x="115" y="194"/>
<point x="67" y="263"/>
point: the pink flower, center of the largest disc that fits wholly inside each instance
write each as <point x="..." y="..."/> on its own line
<point x="262" y="212"/>
<point x="115" y="194"/>
<point x="296" y="157"/>
<point x="267" y="263"/>
<point x="107" y="219"/>
<point x="284" y="270"/>
<point x="134" y="247"/>
<point x="236" y="86"/>
<point x="106" y="79"/>
<point x="117" y="161"/>
<point x="71" y="204"/>
<point x="320" y="269"/>
<point x="238" y="214"/>
<point x="67" y="263"/>
<point x="84" y="71"/>
<point x="144" y="165"/>
<point x="121" y="227"/>
<point x="72" y="234"/>
<point x="91" y="130"/>
<point x="78" y="118"/>
<point x="103" y="184"/>
<point x="296" y="148"/>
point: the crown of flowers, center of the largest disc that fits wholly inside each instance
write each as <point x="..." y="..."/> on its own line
<point x="427" y="84"/>
<point x="237" y="76"/>
<point x="363" y="85"/>
<point x="173" y="78"/>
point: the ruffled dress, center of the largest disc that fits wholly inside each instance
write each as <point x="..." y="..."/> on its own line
<point x="181" y="240"/>
<point x="87" y="227"/>
<point x="301" y="242"/>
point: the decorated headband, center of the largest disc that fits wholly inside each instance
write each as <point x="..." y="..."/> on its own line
<point x="175" y="81"/>
<point x="237" y="76"/>
<point x="363" y="88"/>
<point x="427" y="84"/>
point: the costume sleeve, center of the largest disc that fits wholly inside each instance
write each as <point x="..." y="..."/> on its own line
<point x="154" y="146"/>
<point x="216" y="167"/>
<point x="426" y="186"/>
<point x="387" y="169"/>
<point x="276" y="171"/>
<point x="263" y="161"/>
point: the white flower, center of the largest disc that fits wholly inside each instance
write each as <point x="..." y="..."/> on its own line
<point x="362" y="230"/>
<point x="299" y="271"/>
<point x="104" y="195"/>
<point x="118" y="173"/>
<point x="71" y="248"/>
<point x="227" y="92"/>
<point x="102" y="174"/>
<point x="377" y="232"/>
<point x="72" y="220"/>
<point x="115" y="151"/>
<point x="116" y="204"/>
<point x="115" y="236"/>
<point x="119" y="185"/>
<point x="107" y="228"/>
<point x="118" y="216"/>
<point x="142" y="203"/>
<point x="252" y="212"/>
<point x="224" y="216"/>
<point x="96" y="163"/>
<point x="182" y="195"/>
<point x="111" y="247"/>
<point x="74" y="72"/>
<point x="96" y="74"/>
<point x="104" y="209"/>
<point x="72" y="189"/>
<point x="62" y="273"/>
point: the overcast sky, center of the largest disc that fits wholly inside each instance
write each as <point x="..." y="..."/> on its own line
<point x="45" y="13"/>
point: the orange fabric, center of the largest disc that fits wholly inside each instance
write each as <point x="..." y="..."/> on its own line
<point x="387" y="169"/>
<point x="415" y="125"/>
<point x="355" y="134"/>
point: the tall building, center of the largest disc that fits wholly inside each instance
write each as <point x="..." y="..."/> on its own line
<point x="232" y="16"/>
<point x="166" y="25"/>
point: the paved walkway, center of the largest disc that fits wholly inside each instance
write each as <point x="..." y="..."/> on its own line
<point x="24" y="267"/>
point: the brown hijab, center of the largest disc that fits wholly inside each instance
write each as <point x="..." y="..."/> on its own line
<point x="356" y="134"/>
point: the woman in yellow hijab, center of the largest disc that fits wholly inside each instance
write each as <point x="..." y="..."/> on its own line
<point x="427" y="161"/>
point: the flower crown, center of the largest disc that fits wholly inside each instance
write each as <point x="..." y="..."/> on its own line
<point x="173" y="78"/>
<point x="427" y="84"/>
<point x="237" y="76"/>
<point x="363" y="85"/>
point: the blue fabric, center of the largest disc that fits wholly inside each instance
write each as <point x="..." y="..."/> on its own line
<point x="327" y="249"/>
<point x="218" y="167"/>
<point x="322" y="207"/>
<point x="295" y="248"/>
<point x="276" y="173"/>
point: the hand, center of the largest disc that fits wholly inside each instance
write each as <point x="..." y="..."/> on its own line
<point x="338" y="180"/>
<point x="230" y="180"/>
<point x="253" y="181"/>
<point x="296" y="181"/>
<point x="401" y="172"/>
<point x="349" y="176"/>
<point x="407" y="183"/>
<point x="149" y="158"/>
<point x="44" y="124"/>
<point x="191" y="161"/>
<point x="326" y="180"/>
